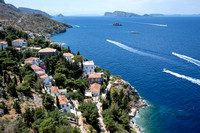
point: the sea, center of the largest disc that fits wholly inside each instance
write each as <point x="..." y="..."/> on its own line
<point x="161" y="60"/>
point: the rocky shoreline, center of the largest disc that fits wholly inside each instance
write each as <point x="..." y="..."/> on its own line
<point x="135" y="106"/>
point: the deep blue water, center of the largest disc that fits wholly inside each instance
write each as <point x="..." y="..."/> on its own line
<point x="175" y="102"/>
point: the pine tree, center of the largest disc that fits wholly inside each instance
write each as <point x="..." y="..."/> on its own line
<point x="78" y="53"/>
<point x="57" y="102"/>
<point x="17" y="107"/>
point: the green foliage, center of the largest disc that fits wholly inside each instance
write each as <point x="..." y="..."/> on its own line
<point x="59" y="79"/>
<point x="47" y="126"/>
<point x="27" y="54"/>
<point x="97" y="69"/>
<point x="17" y="107"/>
<point x="11" y="89"/>
<point x="75" y="95"/>
<point x="28" y="116"/>
<point x="48" y="102"/>
<point x="103" y="87"/>
<point x="24" y="87"/>
<point x="90" y="112"/>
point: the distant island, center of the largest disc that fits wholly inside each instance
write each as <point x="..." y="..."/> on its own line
<point x="59" y="16"/>
<point x="129" y="14"/>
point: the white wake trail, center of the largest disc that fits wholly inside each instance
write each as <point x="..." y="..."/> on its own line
<point x="193" y="80"/>
<point x="189" y="59"/>
<point x="134" y="50"/>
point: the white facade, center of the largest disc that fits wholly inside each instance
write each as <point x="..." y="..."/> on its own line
<point x="53" y="94"/>
<point x="1" y="29"/>
<point x="63" y="91"/>
<point x="88" y="67"/>
<point x="3" y="44"/>
<point x="65" y="108"/>
<point x="18" y="42"/>
<point x="45" y="78"/>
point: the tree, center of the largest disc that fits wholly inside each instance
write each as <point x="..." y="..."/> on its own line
<point x="28" y="116"/>
<point x="27" y="54"/>
<point x="90" y="112"/>
<point x="78" y="53"/>
<point x="17" y="107"/>
<point x="59" y="79"/>
<point x="57" y="102"/>
<point x="48" y="102"/>
<point x="12" y="89"/>
<point x="47" y="126"/>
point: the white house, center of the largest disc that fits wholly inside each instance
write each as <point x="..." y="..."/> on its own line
<point x="62" y="91"/>
<point x="32" y="60"/>
<point x="18" y="42"/>
<point x="68" y="56"/>
<point x="36" y="68"/>
<point x="45" y="78"/>
<point x="3" y="44"/>
<point x="94" y="90"/>
<point x="54" y="91"/>
<point x="63" y="103"/>
<point x="88" y="67"/>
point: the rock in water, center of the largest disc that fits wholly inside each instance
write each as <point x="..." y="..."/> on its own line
<point x="117" y="24"/>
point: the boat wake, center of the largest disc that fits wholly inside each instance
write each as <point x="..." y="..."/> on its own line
<point x="161" y="25"/>
<point x="189" y="59"/>
<point x="193" y="80"/>
<point x="135" y="50"/>
<point x="77" y="26"/>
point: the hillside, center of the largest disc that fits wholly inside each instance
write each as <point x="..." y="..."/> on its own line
<point x="37" y="23"/>
<point x="33" y="11"/>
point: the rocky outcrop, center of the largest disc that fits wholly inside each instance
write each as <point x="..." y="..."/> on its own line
<point x="117" y="24"/>
<point x="59" y="16"/>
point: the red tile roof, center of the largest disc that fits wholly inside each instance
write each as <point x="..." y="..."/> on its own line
<point x="87" y="100"/>
<point x="31" y="59"/>
<point x="35" y="67"/>
<point x="43" y="76"/>
<point x="18" y="40"/>
<point x="94" y="87"/>
<point x="96" y="75"/>
<point x="68" y="54"/>
<point x="3" y="42"/>
<point x="40" y="72"/>
<point x="54" y="89"/>
<point x="62" y="99"/>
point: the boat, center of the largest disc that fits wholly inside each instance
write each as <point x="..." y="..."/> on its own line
<point x="134" y="32"/>
<point x="164" y="70"/>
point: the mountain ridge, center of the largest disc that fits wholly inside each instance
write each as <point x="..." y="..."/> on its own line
<point x="36" y="23"/>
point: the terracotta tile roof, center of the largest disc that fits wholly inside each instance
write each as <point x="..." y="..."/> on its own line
<point x="3" y="42"/>
<point x="88" y="63"/>
<point x="94" y="87"/>
<point x="31" y="59"/>
<point x="54" y="89"/>
<point x="35" y="67"/>
<point x="68" y="54"/>
<point x="96" y="75"/>
<point x="87" y="100"/>
<point x="62" y="99"/>
<point x="43" y="76"/>
<point x="40" y="72"/>
<point x="18" y="40"/>
<point x="47" y="50"/>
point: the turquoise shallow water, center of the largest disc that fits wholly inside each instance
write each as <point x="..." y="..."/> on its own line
<point x="140" y="59"/>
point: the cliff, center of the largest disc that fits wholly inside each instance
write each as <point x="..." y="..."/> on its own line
<point x="37" y="23"/>
<point x="33" y="11"/>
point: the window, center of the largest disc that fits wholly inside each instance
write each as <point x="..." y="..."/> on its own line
<point x="86" y="67"/>
<point x="91" y="67"/>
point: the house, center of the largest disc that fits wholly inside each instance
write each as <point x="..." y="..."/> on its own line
<point x="18" y="42"/>
<point x="32" y="60"/>
<point x="96" y="78"/>
<point x="47" y="52"/>
<point x="54" y="91"/>
<point x="68" y="56"/>
<point x="40" y="73"/>
<point x="94" y="90"/>
<point x="62" y="91"/>
<point x="3" y="44"/>
<point x="88" y="67"/>
<point x="36" y="68"/>
<point x="45" y="78"/>
<point x="63" y="103"/>
<point x="29" y="33"/>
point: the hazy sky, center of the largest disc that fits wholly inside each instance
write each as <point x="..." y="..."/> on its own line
<point x="98" y="7"/>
